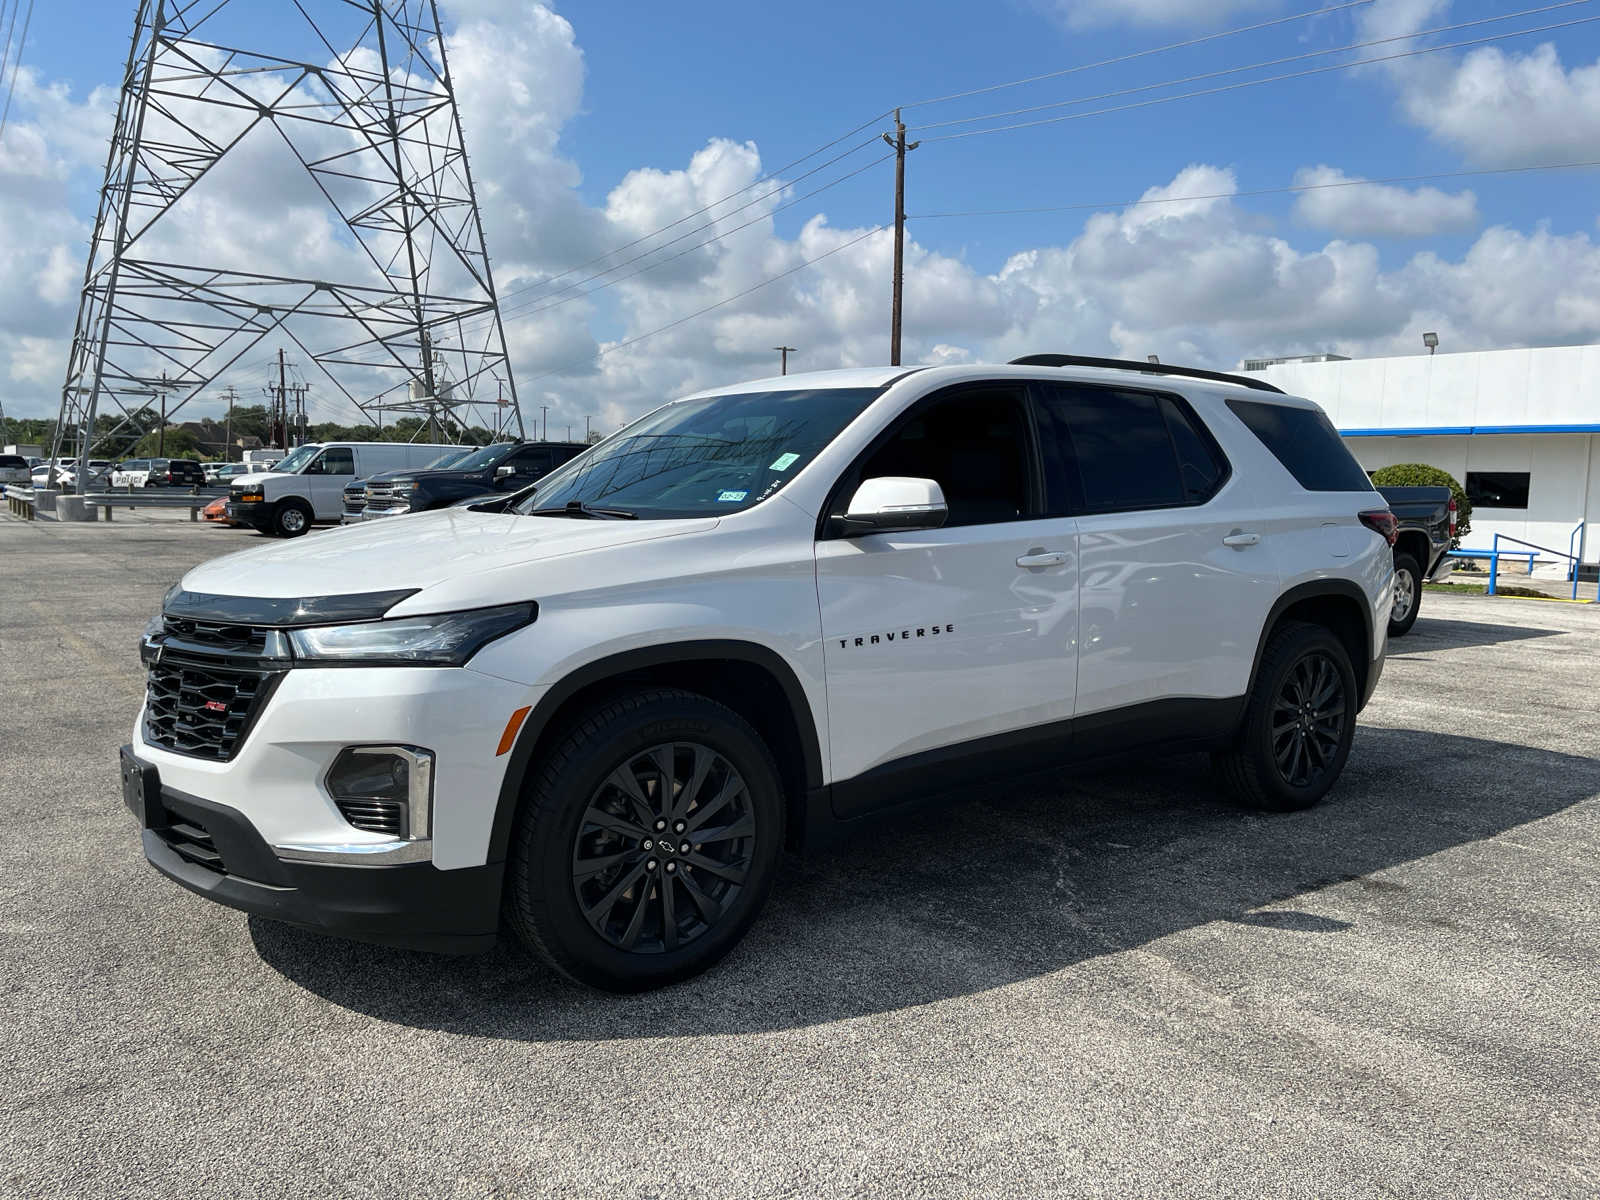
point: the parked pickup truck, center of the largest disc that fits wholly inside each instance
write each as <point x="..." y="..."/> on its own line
<point x="1427" y="517"/>
<point x="501" y="467"/>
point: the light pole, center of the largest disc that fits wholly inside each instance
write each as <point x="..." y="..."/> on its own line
<point x="1431" y="341"/>
<point x="784" y="363"/>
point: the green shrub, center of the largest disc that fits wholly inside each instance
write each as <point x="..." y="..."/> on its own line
<point x="1422" y="475"/>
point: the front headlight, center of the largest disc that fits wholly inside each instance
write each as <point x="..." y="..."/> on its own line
<point x="436" y="640"/>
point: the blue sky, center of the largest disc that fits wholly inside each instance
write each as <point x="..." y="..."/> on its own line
<point x="589" y="120"/>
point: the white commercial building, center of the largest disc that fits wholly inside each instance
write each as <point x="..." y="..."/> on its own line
<point x="1519" y="428"/>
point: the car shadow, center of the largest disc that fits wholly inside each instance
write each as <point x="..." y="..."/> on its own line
<point x="1436" y="634"/>
<point x="1021" y="881"/>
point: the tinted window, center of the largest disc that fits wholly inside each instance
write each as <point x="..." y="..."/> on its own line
<point x="973" y="444"/>
<point x="530" y="462"/>
<point x="1305" y="442"/>
<point x="1107" y="451"/>
<point x="1498" y="489"/>
<point x="12" y="460"/>
<point x="1201" y="467"/>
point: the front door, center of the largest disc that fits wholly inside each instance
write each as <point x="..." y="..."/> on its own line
<point x="960" y="635"/>
<point x="325" y="478"/>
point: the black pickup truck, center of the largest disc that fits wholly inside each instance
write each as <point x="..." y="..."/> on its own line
<point x="1427" y="517"/>
<point x="502" y="467"/>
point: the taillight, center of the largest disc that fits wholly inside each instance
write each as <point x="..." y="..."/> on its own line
<point x="1383" y="523"/>
<point x="1452" y="510"/>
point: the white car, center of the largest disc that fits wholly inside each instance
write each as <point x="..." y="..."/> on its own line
<point x="602" y="707"/>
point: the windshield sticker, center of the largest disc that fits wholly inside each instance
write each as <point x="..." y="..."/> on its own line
<point x="731" y="497"/>
<point x="783" y="462"/>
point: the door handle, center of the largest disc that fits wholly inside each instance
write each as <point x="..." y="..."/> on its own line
<point x="1238" y="539"/>
<point x="1043" y="558"/>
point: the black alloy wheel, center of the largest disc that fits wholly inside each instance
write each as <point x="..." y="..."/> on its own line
<point x="663" y="848"/>
<point x="1299" y="721"/>
<point x="1308" y="720"/>
<point x="646" y="840"/>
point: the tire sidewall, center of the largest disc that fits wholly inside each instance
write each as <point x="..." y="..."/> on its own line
<point x="1309" y="640"/>
<point x="278" y="515"/>
<point x="1402" y="625"/>
<point x="546" y="881"/>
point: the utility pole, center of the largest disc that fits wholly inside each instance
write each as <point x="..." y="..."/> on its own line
<point x="585" y="427"/>
<point x="161" y="437"/>
<point x="898" y="142"/>
<point x="227" y="449"/>
<point x="544" y="414"/>
<point x="785" y="351"/>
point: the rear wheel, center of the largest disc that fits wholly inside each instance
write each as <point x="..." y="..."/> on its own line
<point x="1407" y="595"/>
<point x="291" y="518"/>
<point x="1299" y="722"/>
<point x="646" y="842"/>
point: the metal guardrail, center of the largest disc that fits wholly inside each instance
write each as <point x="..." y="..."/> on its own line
<point x="107" y="501"/>
<point x="20" y="501"/>
<point x="1494" y="554"/>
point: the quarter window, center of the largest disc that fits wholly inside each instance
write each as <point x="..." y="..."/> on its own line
<point x="1498" y="489"/>
<point x="1306" y="443"/>
<point x="1113" y="451"/>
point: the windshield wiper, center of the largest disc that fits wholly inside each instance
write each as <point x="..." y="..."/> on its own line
<point x="577" y="508"/>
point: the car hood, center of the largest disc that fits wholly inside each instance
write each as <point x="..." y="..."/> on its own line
<point x="259" y="477"/>
<point x="418" y="552"/>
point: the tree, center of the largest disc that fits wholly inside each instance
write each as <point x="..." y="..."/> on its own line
<point x="1422" y="475"/>
<point x="180" y="443"/>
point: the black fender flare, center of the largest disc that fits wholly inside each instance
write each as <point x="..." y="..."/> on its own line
<point x="619" y="665"/>
<point x="1316" y="589"/>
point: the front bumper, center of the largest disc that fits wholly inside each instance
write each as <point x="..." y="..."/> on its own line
<point x="216" y="852"/>
<point x="257" y="514"/>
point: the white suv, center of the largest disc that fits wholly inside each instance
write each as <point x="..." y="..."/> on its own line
<point x="599" y="709"/>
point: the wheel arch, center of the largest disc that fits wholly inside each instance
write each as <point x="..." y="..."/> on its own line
<point x="1336" y="604"/>
<point x="747" y="677"/>
<point x="1415" y="543"/>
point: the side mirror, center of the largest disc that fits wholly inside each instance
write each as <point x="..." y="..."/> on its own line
<point x="505" y="472"/>
<point x="893" y="503"/>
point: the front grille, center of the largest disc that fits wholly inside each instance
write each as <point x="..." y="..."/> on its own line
<point x="203" y="709"/>
<point x="190" y="840"/>
<point x="355" y="500"/>
<point x="382" y="496"/>
<point x="217" y="635"/>
<point x="375" y="816"/>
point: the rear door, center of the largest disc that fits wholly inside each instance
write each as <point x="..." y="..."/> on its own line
<point x="1175" y="579"/>
<point x="963" y="634"/>
<point x="528" y="465"/>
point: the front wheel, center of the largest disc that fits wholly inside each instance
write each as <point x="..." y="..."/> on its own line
<point x="1407" y="595"/>
<point x="291" y="518"/>
<point x="646" y="842"/>
<point x="1299" y="722"/>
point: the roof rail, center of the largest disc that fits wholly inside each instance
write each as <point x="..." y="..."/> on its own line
<point x="1150" y="368"/>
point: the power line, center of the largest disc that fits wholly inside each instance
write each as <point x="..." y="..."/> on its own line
<point x="1111" y="62"/>
<point x="523" y="313"/>
<point x="1299" y="187"/>
<point x="770" y="175"/>
<point x="1361" y="62"/>
<point x="710" y="307"/>
<point x="1256" y="66"/>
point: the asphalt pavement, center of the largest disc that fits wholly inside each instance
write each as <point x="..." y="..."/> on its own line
<point x="1085" y="984"/>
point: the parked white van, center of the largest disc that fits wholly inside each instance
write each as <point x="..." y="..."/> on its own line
<point x="308" y="485"/>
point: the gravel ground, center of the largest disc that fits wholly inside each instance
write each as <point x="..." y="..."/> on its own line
<point x="1106" y="984"/>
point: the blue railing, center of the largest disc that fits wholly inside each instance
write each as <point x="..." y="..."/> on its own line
<point x="1494" y="554"/>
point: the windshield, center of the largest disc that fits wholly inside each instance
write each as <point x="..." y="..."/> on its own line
<point x="296" y="461"/>
<point x="706" y="457"/>
<point x="482" y="457"/>
<point x="446" y="459"/>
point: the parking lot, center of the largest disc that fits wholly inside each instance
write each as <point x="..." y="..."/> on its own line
<point x="1084" y="984"/>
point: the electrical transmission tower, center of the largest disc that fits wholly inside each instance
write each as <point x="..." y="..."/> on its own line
<point x="348" y="123"/>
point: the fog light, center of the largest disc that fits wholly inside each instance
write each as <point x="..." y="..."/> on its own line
<point x="384" y="789"/>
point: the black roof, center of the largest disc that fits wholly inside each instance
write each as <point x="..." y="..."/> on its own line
<point x="1150" y="368"/>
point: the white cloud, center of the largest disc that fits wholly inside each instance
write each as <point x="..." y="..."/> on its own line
<point x="1080" y="14"/>
<point x="1350" y="209"/>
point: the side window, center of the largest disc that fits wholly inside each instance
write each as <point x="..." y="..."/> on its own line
<point x="531" y="463"/>
<point x="1498" y="489"/>
<point x="336" y="460"/>
<point x="1109" y="451"/>
<point x="1306" y="443"/>
<point x="1201" y="467"/>
<point x="974" y="445"/>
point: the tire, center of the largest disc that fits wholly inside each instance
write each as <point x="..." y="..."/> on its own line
<point x="1407" y="586"/>
<point x="1301" y="663"/>
<point x="291" y="518"/>
<point x="589" y="893"/>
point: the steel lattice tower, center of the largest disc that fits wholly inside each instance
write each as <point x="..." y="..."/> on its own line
<point x="362" y="98"/>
